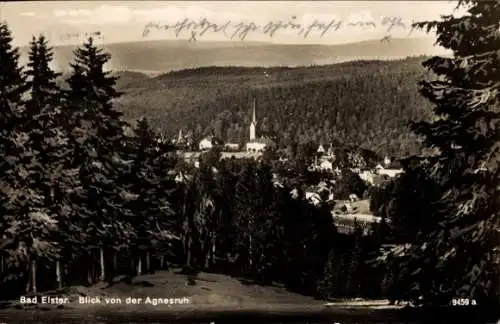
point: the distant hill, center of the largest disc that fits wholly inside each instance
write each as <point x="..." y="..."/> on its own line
<point x="364" y="103"/>
<point x="358" y="102"/>
<point x="164" y="56"/>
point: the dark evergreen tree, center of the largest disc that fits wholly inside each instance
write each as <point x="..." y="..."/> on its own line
<point x="147" y="201"/>
<point x="12" y="82"/>
<point x="459" y="257"/>
<point x="12" y="88"/>
<point x="97" y="136"/>
<point x="353" y="282"/>
<point x="53" y="178"/>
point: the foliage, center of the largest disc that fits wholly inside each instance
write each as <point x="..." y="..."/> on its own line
<point x="455" y="253"/>
<point x="320" y="108"/>
<point x="87" y="197"/>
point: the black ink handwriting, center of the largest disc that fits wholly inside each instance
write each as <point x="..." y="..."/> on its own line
<point x="393" y="22"/>
<point x="241" y="30"/>
<point x="78" y="35"/>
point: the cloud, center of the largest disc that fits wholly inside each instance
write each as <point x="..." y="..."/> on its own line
<point x="110" y="14"/>
<point x="28" y="14"/>
<point x="72" y="13"/>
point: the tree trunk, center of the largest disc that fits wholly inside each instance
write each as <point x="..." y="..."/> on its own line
<point x="33" y="275"/>
<point x="58" y="274"/>
<point x="101" y="258"/>
<point x="28" y="283"/>
<point x="188" y="251"/>
<point x="132" y="269"/>
<point x="115" y="262"/>
<point x="139" y="266"/>
<point x="89" y="275"/>
<point x="250" y="250"/>
<point x="90" y="269"/>
<point x="1" y="269"/>
<point x="148" y="262"/>
<point x="162" y="258"/>
<point x="206" y="249"/>
<point x="212" y="257"/>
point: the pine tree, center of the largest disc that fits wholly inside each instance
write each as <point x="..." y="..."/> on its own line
<point x="12" y="88"/>
<point x="12" y="82"/>
<point x="245" y="214"/>
<point x="328" y="286"/>
<point x="97" y="137"/>
<point x="50" y="143"/>
<point x="147" y="200"/>
<point x="459" y="257"/>
<point x="353" y="282"/>
<point x="37" y="172"/>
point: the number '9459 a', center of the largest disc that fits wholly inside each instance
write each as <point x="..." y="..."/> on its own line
<point x="463" y="302"/>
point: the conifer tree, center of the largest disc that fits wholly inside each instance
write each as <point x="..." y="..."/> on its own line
<point x="245" y="213"/>
<point x="96" y="133"/>
<point x="459" y="257"/>
<point x="148" y="201"/>
<point x="12" y="87"/>
<point x="12" y="82"/>
<point x="55" y="179"/>
<point x="38" y="148"/>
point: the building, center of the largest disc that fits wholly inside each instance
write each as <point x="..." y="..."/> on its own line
<point x="231" y="146"/>
<point x="209" y="142"/>
<point x="257" y="144"/>
<point x="387" y="161"/>
<point x="380" y="170"/>
<point x="326" y="165"/>
<point x="179" y="139"/>
<point x="206" y="144"/>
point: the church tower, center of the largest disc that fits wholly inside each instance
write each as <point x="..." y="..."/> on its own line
<point x="253" y="124"/>
<point x="180" y="138"/>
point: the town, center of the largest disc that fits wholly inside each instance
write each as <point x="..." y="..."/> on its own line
<point x="346" y="212"/>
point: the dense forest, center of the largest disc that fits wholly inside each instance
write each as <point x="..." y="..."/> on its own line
<point x="360" y="103"/>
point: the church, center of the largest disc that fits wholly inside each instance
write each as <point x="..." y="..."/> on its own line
<point x="257" y="144"/>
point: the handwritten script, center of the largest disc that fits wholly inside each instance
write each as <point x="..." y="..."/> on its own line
<point x="78" y="35"/>
<point x="195" y="29"/>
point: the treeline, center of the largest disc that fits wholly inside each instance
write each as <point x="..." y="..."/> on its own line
<point x="77" y="191"/>
<point x="361" y="103"/>
<point x="247" y="223"/>
<point x="86" y="197"/>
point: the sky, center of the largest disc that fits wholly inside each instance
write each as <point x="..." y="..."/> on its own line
<point x="70" y="22"/>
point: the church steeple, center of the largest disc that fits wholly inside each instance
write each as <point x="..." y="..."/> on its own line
<point x="179" y="137"/>
<point x="253" y="124"/>
<point x="254" y="119"/>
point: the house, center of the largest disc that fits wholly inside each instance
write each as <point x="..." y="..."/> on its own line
<point x="231" y="146"/>
<point x="387" y="161"/>
<point x="206" y="144"/>
<point x="241" y="155"/>
<point x="321" y="149"/>
<point x="326" y="166"/>
<point x="380" y="170"/>
<point x="313" y="198"/>
<point x="367" y="176"/>
<point x="209" y="142"/>
<point x="260" y="145"/>
<point x="346" y="223"/>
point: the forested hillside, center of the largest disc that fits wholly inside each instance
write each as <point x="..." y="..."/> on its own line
<point x="84" y="201"/>
<point x="362" y="103"/>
